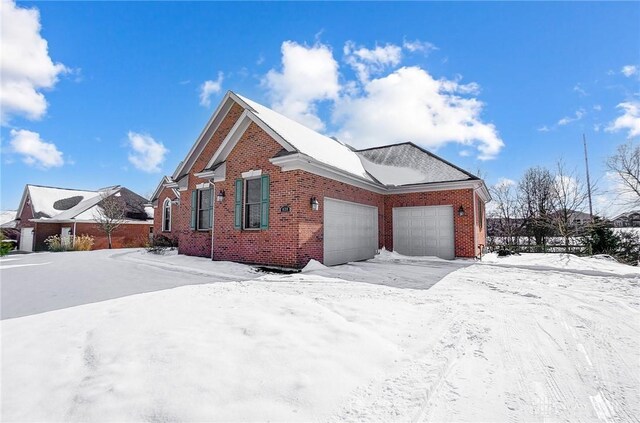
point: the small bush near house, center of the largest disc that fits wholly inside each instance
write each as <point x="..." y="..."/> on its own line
<point x="160" y="244"/>
<point x="56" y="244"/>
<point x="83" y="243"/>
<point x="5" y="246"/>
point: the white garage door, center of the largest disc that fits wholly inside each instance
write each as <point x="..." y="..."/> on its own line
<point x="424" y="231"/>
<point x="350" y="231"/>
<point x="26" y="239"/>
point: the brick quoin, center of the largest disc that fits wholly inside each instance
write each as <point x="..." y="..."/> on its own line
<point x="295" y="237"/>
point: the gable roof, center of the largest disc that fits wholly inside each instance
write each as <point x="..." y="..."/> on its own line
<point x="163" y="182"/>
<point x="407" y="164"/>
<point x="63" y="204"/>
<point x="380" y="168"/>
<point x="309" y="142"/>
<point x="50" y="201"/>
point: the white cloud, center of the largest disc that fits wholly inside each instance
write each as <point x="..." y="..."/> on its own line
<point x="419" y="46"/>
<point x="505" y="182"/>
<point x="208" y="88"/>
<point x="366" y="62"/>
<point x="464" y="153"/>
<point x="34" y="150"/>
<point x="578" y="88"/>
<point x="629" y="121"/>
<point x="614" y="197"/>
<point x="147" y="154"/>
<point x="410" y="105"/>
<point x="569" y="119"/>
<point x="25" y="67"/>
<point x="597" y="107"/>
<point x="544" y="128"/>
<point x="629" y="70"/>
<point x="309" y="75"/>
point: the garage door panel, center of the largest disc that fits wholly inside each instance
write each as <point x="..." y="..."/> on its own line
<point x="424" y="231"/>
<point x="350" y="231"/>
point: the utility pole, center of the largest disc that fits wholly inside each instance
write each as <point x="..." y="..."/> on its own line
<point x="586" y="164"/>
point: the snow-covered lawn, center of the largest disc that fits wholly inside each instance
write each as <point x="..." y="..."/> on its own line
<point x="489" y="342"/>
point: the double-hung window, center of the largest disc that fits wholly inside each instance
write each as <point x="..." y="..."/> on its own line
<point x="252" y="203"/>
<point x="205" y="204"/>
<point x="202" y="209"/>
<point x="166" y="215"/>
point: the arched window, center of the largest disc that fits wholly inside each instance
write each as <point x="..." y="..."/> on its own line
<point x="166" y="215"/>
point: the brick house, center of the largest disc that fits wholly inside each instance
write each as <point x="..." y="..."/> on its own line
<point x="257" y="187"/>
<point x="46" y="211"/>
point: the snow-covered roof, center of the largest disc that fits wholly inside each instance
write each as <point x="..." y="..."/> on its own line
<point x="7" y="216"/>
<point x="408" y="164"/>
<point x="309" y="142"/>
<point x="62" y="204"/>
<point x="51" y="201"/>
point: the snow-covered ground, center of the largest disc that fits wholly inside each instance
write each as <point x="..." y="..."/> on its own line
<point x="524" y="339"/>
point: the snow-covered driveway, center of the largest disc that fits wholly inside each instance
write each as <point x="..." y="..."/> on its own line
<point x="36" y="283"/>
<point x="486" y="343"/>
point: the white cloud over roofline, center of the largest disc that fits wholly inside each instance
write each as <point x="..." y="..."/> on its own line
<point x="383" y="105"/>
<point x="308" y="75"/>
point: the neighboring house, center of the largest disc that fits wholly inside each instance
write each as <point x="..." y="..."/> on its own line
<point x="46" y="211"/>
<point x="627" y="220"/>
<point x="257" y="187"/>
<point x="8" y="225"/>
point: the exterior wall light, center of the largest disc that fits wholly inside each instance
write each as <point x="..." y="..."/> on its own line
<point x="314" y="204"/>
<point x="461" y="211"/>
<point x="220" y="196"/>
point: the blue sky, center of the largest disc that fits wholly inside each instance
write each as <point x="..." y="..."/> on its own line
<point x="117" y="98"/>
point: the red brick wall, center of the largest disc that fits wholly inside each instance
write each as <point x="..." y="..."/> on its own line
<point x="481" y="229"/>
<point x="27" y="213"/>
<point x="125" y="236"/>
<point x="463" y="225"/>
<point x="294" y="237"/>
<point x="311" y="222"/>
<point x="157" y="215"/>
<point x="190" y="242"/>
<point x="44" y="231"/>
<point x="278" y="244"/>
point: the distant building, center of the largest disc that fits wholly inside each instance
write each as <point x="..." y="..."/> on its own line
<point x="627" y="220"/>
<point x="46" y="211"/>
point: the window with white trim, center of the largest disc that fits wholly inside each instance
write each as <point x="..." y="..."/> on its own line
<point x="205" y="204"/>
<point x="166" y="215"/>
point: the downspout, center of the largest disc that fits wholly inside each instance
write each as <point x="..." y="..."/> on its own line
<point x="475" y="222"/>
<point x="213" y="215"/>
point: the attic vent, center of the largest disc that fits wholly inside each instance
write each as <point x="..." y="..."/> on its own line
<point x="67" y="203"/>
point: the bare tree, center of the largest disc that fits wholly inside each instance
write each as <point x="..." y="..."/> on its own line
<point x="535" y="197"/>
<point x="569" y="197"/>
<point x="625" y="163"/>
<point x="112" y="214"/>
<point x="506" y="211"/>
